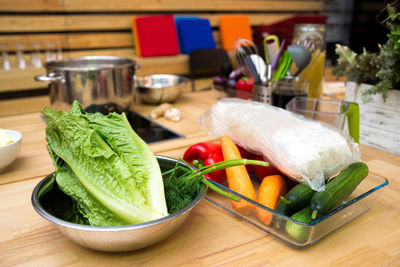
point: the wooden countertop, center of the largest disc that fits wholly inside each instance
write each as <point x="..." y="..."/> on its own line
<point x="209" y="237"/>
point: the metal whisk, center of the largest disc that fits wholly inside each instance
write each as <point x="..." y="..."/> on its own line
<point x="243" y="48"/>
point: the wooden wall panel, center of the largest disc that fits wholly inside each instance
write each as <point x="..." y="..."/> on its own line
<point x="32" y="6"/>
<point x="90" y="22"/>
<point x="30" y="41"/>
<point x="103" y="27"/>
<point x="184" y="5"/>
<point x="99" y="40"/>
<point x="32" y="23"/>
<point x="20" y="79"/>
<point x="158" y="5"/>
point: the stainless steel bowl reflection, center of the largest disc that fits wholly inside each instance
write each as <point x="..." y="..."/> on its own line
<point x="115" y="238"/>
<point x="160" y="88"/>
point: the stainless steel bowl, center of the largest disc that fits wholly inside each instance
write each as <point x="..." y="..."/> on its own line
<point x="160" y="88"/>
<point x="115" y="238"/>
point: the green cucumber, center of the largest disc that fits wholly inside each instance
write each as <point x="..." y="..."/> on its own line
<point x="338" y="189"/>
<point x="298" y="231"/>
<point x="296" y="199"/>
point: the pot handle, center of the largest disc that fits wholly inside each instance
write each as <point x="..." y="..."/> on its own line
<point x="50" y="77"/>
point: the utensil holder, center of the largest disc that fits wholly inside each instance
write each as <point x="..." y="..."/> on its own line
<point x="262" y="93"/>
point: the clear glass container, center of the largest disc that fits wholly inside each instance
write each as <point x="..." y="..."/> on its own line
<point x="360" y="201"/>
<point x="333" y="112"/>
<point x="312" y="36"/>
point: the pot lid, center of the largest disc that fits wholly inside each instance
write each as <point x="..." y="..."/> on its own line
<point x="91" y="63"/>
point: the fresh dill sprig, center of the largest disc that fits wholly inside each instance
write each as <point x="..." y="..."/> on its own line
<point x="183" y="184"/>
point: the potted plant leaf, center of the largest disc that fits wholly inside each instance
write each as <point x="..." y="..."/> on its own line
<point x="373" y="81"/>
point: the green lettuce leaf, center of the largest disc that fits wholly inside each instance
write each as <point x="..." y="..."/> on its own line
<point x="117" y="132"/>
<point x="114" y="165"/>
<point x="84" y="203"/>
<point x="58" y="204"/>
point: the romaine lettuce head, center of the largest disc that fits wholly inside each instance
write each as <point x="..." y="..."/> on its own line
<point x="85" y="204"/>
<point x="115" y="166"/>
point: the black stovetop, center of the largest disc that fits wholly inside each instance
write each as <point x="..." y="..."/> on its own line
<point x="147" y="129"/>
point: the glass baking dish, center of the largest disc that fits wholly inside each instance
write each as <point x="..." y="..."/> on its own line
<point x="359" y="202"/>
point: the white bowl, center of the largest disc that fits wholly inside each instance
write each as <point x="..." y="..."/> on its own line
<point x="9" y="152"/>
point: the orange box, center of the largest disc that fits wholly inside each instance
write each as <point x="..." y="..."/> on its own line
<point x="233" y="27"/>
<point x="135" y="36"/>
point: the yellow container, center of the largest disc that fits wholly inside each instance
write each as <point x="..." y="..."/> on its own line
<point x="315" y="73"/>
<point x="312" y="36"/>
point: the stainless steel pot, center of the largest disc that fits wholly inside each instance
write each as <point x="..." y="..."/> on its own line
<point x="91" y="80"/>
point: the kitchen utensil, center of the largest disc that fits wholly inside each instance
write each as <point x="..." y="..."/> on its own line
<point x="242" y="48"/>
<point x="115" y="238"/>
<point x="278" y="55"/>
<point x="283" y="66"/>
<point x="301" y="57"/>
<point x="332" y="112"/>
<point x="160" y="88"/>
<point x="260" y="66"/>
<point x="9" y="152"/>
<point x="271" y="48"/>
<point x="253" y="70"/>
<point x="91" y="80"/>
<point x="269" y="73"/>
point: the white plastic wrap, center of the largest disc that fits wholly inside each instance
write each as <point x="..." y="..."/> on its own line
<point x="305" y="150"/>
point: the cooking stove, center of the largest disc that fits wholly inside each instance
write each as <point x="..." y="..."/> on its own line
<point x="147" y="129"/>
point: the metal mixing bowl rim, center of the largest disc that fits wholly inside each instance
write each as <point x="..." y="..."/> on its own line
<point x="142" y="78"/>
<point x="38" y="207"/>
<point x="161" y="75"/>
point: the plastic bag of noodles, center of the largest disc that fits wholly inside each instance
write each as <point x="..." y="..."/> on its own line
<point x="305" y="150"/>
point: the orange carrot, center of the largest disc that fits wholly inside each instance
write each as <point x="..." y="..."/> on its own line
<point x="238" y="177"/>
<point x="271" y="188"/>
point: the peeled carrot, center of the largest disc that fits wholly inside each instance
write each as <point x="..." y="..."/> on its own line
<point x="271" y="188"/>
<point x="238" y="177"/>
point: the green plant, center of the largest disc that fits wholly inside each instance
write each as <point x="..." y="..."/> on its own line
<point x="389" y="73"/>
<point x="360" y="68"/>
<point x="381" y="69"/>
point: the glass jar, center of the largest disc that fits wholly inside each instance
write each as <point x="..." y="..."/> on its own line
<point x="312" y="36"/>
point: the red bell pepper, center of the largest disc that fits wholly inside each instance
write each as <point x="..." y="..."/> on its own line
<point x="246" y="155"/>
<point x="260" y="171"/>
<point x="245" y="84"/>
<point x="244" y="87"/>
<point x="207" y="153"/>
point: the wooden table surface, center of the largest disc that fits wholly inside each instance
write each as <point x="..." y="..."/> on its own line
<point x="209" y="237"/>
